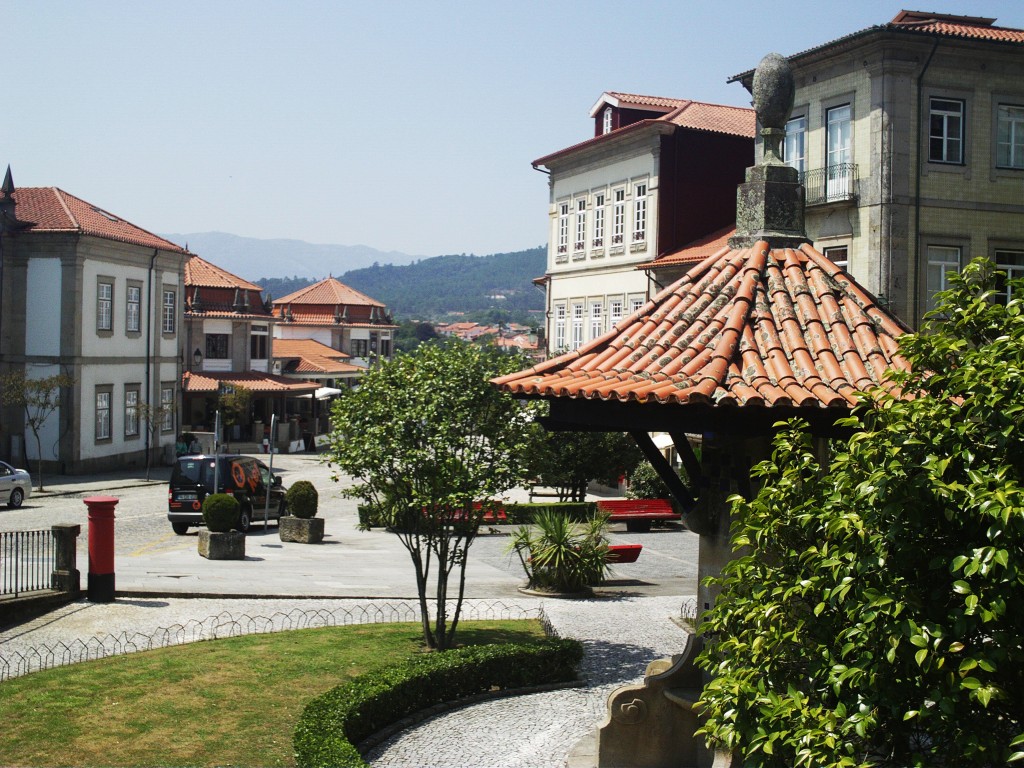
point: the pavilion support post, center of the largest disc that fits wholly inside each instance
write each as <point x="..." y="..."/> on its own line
<point x="726" y="461"/>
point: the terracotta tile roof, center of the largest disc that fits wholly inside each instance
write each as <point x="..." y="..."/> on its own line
<point x="920" y="23"/>
<point x="945" y="25"/>
<point x="226" y="314"/>
<point x="627" y="100"/>
<point x="750" y="327"/>
<point x="200" y="272"/>
<point x="53" y="210"/>
<point x="329" y="291"/>
<point x="195" y="383"/>
<point x="695" y="115"/>
<point x="325" y="318"/>
<point x="695" y="251"/>
<point x="698" y="116"/>
<point x="314" y="357"/>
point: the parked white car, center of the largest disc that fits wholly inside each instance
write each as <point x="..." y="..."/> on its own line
<point x="15" y="485"/>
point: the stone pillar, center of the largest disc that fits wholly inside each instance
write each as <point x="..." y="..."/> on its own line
<point x="65" y="576"/>
<point x="726" y="462"/>
<point x="101" y="548"/>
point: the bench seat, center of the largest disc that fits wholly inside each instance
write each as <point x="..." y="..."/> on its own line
<point x="623" y="553"/>
<point x="638" y="514"/>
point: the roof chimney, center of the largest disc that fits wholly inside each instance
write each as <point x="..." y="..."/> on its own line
<point x="770" y="204"/>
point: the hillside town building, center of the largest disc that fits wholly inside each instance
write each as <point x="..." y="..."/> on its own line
<point x="87" y="294"/>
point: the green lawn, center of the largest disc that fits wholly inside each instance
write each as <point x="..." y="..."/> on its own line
<point x="230" y="702"/>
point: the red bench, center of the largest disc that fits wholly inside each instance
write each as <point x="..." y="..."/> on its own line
<point x="623" y="553"/>
<point x="638" y="514"/>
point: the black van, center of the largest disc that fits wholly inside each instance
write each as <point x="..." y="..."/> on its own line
<point x="246" y="478"/>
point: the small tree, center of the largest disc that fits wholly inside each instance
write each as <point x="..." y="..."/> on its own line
<point x="568" y="461"/>
<point x="233" y="403"/>
<point x="426" y="439"/>
<point x="872" y="615"/>
<point x="39" y="398"/>
<point x="152" y="417"/>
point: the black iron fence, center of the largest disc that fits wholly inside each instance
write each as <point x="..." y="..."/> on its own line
<point x="831" y="184"/>
<point x="27" y="561"/>
<point x="39" y="561"/>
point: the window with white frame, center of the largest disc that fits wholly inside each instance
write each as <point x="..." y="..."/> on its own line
<point x="635" y="303"/>
<point x="104" y="305"/>
<point x="794" y="152"/>
<point x="942" y="260"/>
<point x="596" y="319"/>
<point x="581" y="224"/>
<point x="946" y="131"/>
<point x="258" y="342"/>
<point x="639" y="212"/>
<point x="563" y="227"/>
<point x="577" y="326"/>
<point x="169" y="311"/>
<point x="839" y="153"/>
<point x="131" y="412"/>
<point x="598" y="220"/>
<point x="103" y="414"/>
<point x="838" y="255"/>
<point x="614" y="311"/>
<point x="1010" y="136"/>
<point x="167" y="408"/>
<point x="559" y="334"/>
<point x="618" y="215"/>
<point x="133" y="305"/>
<point x="1012" y="263"/>
<point x="606" y="118"/>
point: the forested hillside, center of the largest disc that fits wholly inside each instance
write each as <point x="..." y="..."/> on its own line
<point x="440" y="287"/>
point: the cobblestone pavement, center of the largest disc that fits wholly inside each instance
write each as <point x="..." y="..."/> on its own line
<point x="541" y="729"/>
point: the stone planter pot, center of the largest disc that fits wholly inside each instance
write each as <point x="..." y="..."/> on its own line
<point x="300" y="529"/>
<point x="216" y="545"/>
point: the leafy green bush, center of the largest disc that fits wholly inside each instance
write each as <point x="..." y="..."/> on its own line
<point x="221" y="512"/>
<point x="560" y="554"/>
<point x="302" y="500"/>
<point x="577" y="511"/>
<point x="332" y="723"/>
<point x="645" y="483"/>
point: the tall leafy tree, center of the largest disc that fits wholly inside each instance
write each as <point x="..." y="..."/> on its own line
<point x="873" y="614"/>
<point x="425" y="437"/>
<point x="38" y="398"/>
<point x="568" y="461"/>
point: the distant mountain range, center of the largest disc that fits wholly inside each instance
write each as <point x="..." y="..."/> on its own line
<point x="250" y="257"/>
<point x="412" y="287"/>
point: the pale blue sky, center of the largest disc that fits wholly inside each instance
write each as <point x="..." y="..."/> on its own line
<point x="404" y="126"/>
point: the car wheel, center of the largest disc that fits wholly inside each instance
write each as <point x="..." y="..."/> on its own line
<point x="180" y="528"/>
<point x="245" y="518"/>
<point x="17" y="496"/>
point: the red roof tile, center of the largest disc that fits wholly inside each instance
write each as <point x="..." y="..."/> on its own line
<point x="946" y="25"/>
<point x="695" y="115"/>
<point x="695" y="251"/>
<point x="329" y="291"/>
<point x="314" y="357"/>
<point x="635" y="100"/>
<point x="749" y="327"/>
<point x="200" y="272"/>
<point x="195" y="383"/>
<point x="53" y="210"/>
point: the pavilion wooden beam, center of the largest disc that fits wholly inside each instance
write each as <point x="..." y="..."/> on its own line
<point x="675" y="485"/>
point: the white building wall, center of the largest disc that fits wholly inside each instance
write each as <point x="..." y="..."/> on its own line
<point x="285" y="331"/>
<point x="49" y="432"/>
<point x="117" y="342"/>
<point x="42" y="325"/>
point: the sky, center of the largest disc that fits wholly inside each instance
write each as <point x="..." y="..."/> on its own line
<point x="404" y="126"/>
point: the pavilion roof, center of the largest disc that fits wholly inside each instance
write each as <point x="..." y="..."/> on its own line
<point x="753" y="327"/>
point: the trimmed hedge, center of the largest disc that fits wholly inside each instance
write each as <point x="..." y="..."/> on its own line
<point x="221" y="511"/>
<point x="334" y="722"/>
<point x="576" y="511"/>
<point x="302" y="500"/>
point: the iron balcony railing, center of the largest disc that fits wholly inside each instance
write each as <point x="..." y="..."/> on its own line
<point x="27" y="561"/>
<point x="831" y="184"/>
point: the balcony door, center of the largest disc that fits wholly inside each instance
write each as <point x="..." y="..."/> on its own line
<point x="839" y="154"/>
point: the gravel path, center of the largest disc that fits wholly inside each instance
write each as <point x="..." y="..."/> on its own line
<point x="540" y="729"/>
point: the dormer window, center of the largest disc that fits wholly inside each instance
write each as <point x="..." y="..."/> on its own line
<point x="607" y="123"/>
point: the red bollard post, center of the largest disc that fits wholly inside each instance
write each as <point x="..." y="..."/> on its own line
<point x="101" y="548"/>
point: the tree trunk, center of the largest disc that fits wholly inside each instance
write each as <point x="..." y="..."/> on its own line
<point x="39" y="460"/>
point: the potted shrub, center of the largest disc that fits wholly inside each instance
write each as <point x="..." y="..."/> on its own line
<point x="562" y="556"/>
<point x="219" y="540"/>
<point x="301" y="523"/>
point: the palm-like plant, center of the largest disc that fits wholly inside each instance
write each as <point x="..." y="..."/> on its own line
<point x="560" y="555"/>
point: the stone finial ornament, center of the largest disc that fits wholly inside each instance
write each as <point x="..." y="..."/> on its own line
<point x="774" y="91"/>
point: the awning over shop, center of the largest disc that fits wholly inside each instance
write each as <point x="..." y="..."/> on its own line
<point x="257" y="383"/>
